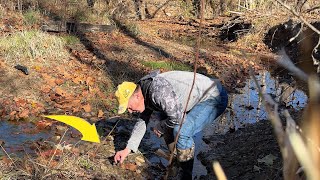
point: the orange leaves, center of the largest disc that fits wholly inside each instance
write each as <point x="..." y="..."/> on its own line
<point x="78" y="80"/>
<point x="24" y="113"/>
<point x="60" y="91"/>
<point x="90" y="81"/>
<point x="7" y="161"/>
<point x="43" y="124"/>
<point x="20" y="102"/>
<point x="129" y="166"/>
<point x="1" y="63"/>
<point x="45" y="89"/>
<point x="87" y="108"/>
<point x="49" y="153"/>
<point x="49" y="79"/>
<point x="100" y="113"/>
<point x="59" y="81"/>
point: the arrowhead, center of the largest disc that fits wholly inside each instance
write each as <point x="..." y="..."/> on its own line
<point x="91" y="134"/>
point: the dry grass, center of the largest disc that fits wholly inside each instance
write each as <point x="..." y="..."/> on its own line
<point x="32" y="47"/>
<point x="78" y="161"/>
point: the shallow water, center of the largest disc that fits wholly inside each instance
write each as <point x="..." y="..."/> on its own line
<point x="247" y="106"/>
<point x="18" y="136"/>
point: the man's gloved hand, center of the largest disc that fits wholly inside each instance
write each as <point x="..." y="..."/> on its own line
<point x="121" y="155"/>
<point x="161" y="128"/>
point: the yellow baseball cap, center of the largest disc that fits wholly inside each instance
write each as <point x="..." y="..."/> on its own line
<point x="123" y="93"/>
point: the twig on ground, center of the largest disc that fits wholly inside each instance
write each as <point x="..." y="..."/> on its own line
<point x="7" y="155"/>
<point x="55" y="151"/>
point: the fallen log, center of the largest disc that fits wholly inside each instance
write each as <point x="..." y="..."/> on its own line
<point x="73" y="27"/>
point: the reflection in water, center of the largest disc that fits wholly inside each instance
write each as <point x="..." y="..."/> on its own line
<point x="247" y="106"/>
<point x="19" y="136"/>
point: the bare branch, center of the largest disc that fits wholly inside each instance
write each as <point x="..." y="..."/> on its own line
<point x="312" y="9"/>
<point x="315" y="61"/>
<point x="271" y="106"/>
<point x="300" y="17"/>
<point x="315" y="50"/>
<point x="293" y="38"/>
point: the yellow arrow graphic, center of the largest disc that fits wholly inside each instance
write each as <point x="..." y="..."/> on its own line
<point x="88" y="131"/>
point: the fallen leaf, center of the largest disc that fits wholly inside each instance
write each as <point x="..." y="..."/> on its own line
<point x="85" y="93"/>
<point x="43" y="124"/>
<point x="53" y="163"/>
<point x="37" y="68"/>
<point x="24" y="114"/>
<point x="129" y="166"/>
<point x="256" y="168"/>
<point x="49" y="80"/>
<point x="90" y="81"/>
<point x="59" y="81"/>
<point x="7" y="161"/>
<point x="87" y="108"/>
<point x="60" y="91"/>
<point x="12" y="113"/>
<point x="20" y="102"/>
<point x="75" y="150"/>
<point x="46" y="88"/>
<point x="100" y="113"/>
<point x="268" y="159"/>
<point x="51" y="152"/>
<point x="67" y="75"/>
<point x="77" y="80"/>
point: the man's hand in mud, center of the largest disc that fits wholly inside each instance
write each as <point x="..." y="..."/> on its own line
<point x="121" y="155"/>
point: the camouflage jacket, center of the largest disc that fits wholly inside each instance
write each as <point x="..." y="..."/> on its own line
<point x="168" y="93"/>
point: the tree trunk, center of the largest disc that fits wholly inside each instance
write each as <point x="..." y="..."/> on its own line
<point x="140" y="9"/>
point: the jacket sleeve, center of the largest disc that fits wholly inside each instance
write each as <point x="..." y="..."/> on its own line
<point x="164" y="97"/>
<point x="137" y="134"/>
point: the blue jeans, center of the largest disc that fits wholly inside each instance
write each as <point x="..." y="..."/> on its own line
<point x="199" y="117"/>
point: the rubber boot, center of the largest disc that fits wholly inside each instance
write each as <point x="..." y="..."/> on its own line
<point x="187" y="167"/>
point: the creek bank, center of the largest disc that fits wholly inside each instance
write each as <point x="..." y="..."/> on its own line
<point x="299" y="41"/>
